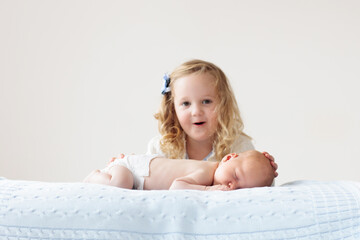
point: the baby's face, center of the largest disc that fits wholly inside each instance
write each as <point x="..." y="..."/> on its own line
<point x="243" y="170"/>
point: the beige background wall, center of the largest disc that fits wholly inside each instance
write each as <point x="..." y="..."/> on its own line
<point x="80" y="80"/>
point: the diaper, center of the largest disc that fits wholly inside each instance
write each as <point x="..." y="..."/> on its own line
<point x="138" y="166"/>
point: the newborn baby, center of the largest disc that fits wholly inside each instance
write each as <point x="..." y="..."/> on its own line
<point x="152" y="172"/>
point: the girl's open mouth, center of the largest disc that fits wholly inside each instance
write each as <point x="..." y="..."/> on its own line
<point x="199" y="123"/>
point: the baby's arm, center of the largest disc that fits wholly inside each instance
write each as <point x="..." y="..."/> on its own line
<point x="217" y="188"/>
<point x="196" y="181"/>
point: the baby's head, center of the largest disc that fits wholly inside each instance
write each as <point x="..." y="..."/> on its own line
<point x="244" y="170"/>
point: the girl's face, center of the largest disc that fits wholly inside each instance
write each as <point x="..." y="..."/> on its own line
<point x="195" y="100"/>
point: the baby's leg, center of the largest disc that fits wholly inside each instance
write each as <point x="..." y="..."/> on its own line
<point x="118" y="176"/>
<point x="121" y="177"/>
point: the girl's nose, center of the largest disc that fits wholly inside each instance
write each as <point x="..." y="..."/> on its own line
<point x="196" y="110"/>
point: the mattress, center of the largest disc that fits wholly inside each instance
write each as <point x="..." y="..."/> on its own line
<point x="296" y="210"/>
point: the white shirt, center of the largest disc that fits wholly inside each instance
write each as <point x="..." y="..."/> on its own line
<point x="242" y="144"/>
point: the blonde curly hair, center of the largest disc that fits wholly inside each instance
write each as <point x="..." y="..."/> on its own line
<point x="230" y="125"/>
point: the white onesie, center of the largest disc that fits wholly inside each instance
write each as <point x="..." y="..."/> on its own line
<point x="138" y="166"/>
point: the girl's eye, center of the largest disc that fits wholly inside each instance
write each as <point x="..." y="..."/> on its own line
<point x="185" y="104"/>
<point x="206" y="101"/>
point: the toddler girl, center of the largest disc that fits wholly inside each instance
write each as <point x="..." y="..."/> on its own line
<point x="199" y="117"/>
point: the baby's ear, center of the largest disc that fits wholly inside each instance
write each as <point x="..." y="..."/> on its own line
<point x="226" y="158"/>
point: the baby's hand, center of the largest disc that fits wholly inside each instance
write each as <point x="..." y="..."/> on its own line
<point x="272" y="162"/>
<point x="217" y="188"/>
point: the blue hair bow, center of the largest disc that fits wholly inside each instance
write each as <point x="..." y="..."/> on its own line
<point x="166" y="87"/>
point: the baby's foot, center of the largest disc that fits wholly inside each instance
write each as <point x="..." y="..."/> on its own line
<point x="91" y="176"/>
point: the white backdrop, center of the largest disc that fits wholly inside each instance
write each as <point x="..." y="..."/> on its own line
<point x="80" y="80"/>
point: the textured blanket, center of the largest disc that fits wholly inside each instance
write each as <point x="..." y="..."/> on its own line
<point x="297" y="210"/>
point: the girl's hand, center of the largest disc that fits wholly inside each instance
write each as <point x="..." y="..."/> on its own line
<point x="121" y="155"/>
<point x="272" y="162"/>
